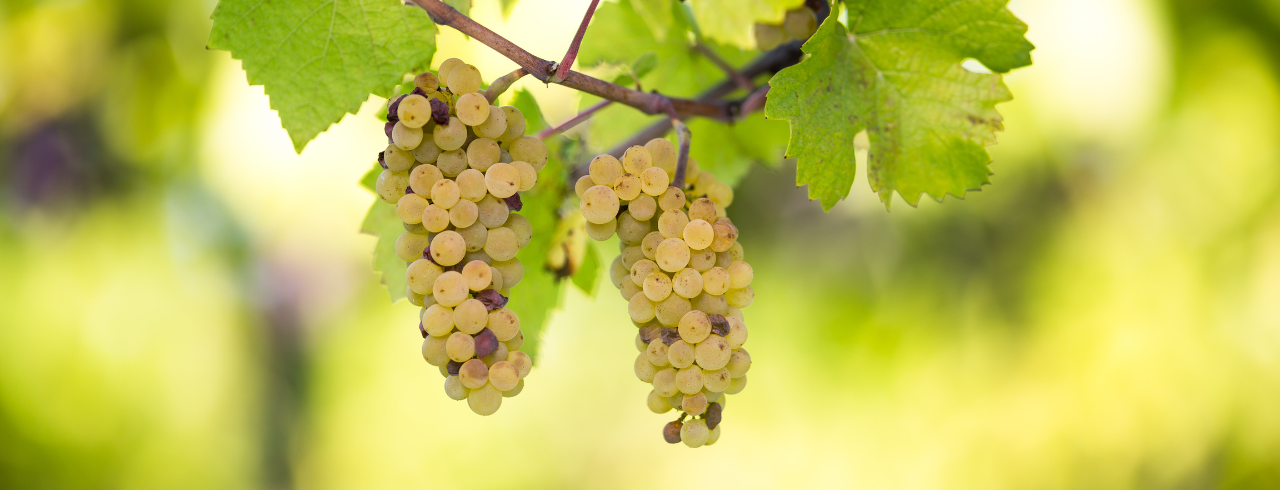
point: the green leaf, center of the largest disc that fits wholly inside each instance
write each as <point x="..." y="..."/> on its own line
<point x="370" y="179"/>
<point x="539" y="292"/>
<point x="381" y="221"/>
<point x="899" y="77"/>
<point x="318" y="60"/>
<point x="728" y="150"/>
<point x="534" y="121"/>
<point x="657" y="15"/>
<point x="507" y="6"/>
<point x="733" y="21"/>
<point x="463" y="6"/>
<point x="585" y="277"/>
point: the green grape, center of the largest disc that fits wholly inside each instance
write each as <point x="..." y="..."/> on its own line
<point x="409" y="246"/>
<point x="703" y="209"/>
<point x="687" y="283"/>
<point x="404" y="137"/>
<point x="451" y="136"/>
<point x="640" y="308"/>
<point x="390" y="185"/>
<point x="769" y="36"/>
<point x="671" y="224"/>
<point x="485" y="400"/>
<point x="716" y="380"/>
<point x="501" y="244"/>
<point x="452" y="163"/>
<point x="720" y="194"/>
<point x="499" y="355"/>
<point x="654" y="181"/>
<point x="427" y="82"/>
<point x="658" y="403"/>
<point x="698" y="234"/>
<point x="459" y="346"/>
<point x="657" y="287"/>
<point x="799" y="23"/>
<point x="618" y="272"/>
<point x="515" y="124"/>
<point x="502" y="180"/>
<point x="599" y="204"/>
<point x="740" y="274"/>
<point x="397" y="160"/>
<point x="512" y="272"/>
<point x="642" y="207"/>
<point x="493" y="212"/>
<point x="671" y="199"/>
<point x="446" y="67"/>
<point x="435" y="218"/>
<point x="494" y="125"/>
<point x="409" y="208"/>
<point x="437" y="320"/>
<point x="504" y="375"/>
<point x="414" y="298"/>
<point x="435" y="351"/>
<point x="736" y="385"/>
<point x="670" y="310"/>
<point x="473" y="109"/>
<point x="672" y="255"/>
<point x="601" y="231"/>
<point x="636" y="160"/>
<point x="580" y="187"/>
<point x="522" y="228"/>
<point x="694" y="433"/>
<point x="422" y="274"/>
<point x="445" y="193"/>
<point x="694" y="327"/>
<point x="631" y="230"/>
<point x="482" y="153"/>
<point x="414" y="111"/>
<point x="737" y="332"/>
<point x="528" y="176"/>
<point x="713" y="305"/>
<point x="726" y="234"/>
<point x="715" y="281"/>
<point x="495" y="281"/>
<point x="665" y="154"/>
<point x="739" y="363"/>
<point x="713" y="353"/>
<point x="522" y="362"/>
<point x="465" y="79"/>
<point x="681" y="354"/>
<point x="664" y="382"/>
<point x="694" y="404"/>
<point x="740" y="298"/>
<point x="689" y="380"/>
<point x="448" y="248"/>
<point x="423" y="177"/>
<point x="450" y="289"/>
<point x="656" y="353"/>
<point x="504" y="324"/>
<point x="605" y="170"/>
<point x="628" y="187"/>
<point x="641" y="270"/>
<point x="630" y="290"/>
<point x="630" y="256"/>
<point x="471" y="316"/>
<point x="474" y="237"/>
<point x="479" y="275"/>
<point x="427" y="151"/>
<point x="453" y="388"/>
<point x="473" y="373"/>
<point x="516" y="391"/>
<point x="529" y="149"/>
<point x="644" y="369"/>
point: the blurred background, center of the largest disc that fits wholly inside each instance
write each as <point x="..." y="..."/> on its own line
<point x="186" y="303"/>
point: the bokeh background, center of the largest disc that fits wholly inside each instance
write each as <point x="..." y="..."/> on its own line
<point x="185" y="302"/>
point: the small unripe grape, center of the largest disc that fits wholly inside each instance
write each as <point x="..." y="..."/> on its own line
<point x="453" y="388"/>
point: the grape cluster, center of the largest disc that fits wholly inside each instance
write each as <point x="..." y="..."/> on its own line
<point x="454" y="168"/>
<point x="682" y="272"/>
<point x="799" y="24"/>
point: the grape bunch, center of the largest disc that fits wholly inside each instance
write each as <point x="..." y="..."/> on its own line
<point x="682" y="272"/>
<point x="454" y="168"/>
<point x="799" y="24"/>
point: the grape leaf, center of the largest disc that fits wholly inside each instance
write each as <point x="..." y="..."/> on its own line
<point x="657" y="14"/>
<point x="318" y="60"/>
<point x="507" y="6"/>
<point x="732" y="21"/>
<point x="728" y="150"/>
<point x="899" y="77"/>
<point x="382" y="222"/>
<point x="585" y="277"/>
<point x="463" y="6"/>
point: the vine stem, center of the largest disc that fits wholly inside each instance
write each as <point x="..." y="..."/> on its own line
<point x="572" y="53"/>
<point x="576" y="120"/>
<point x="743" y="82"/>
<point x="684" y="136"/>
<point x="648" y="103"/>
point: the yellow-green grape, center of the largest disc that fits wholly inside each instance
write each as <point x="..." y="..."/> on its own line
<point x="485" y="400"/>
<point x="437" y="320"/>
<point x="740" y="297"/>
<point x="460" y="346"/>
<point x="618" y="272"/>
<point x="716" y="281"/>
<point x="630" y="256"/>
<point x="471" y="185"/>
<point x="694" y="433"/>
<point x="664" y="382"/>
<point x="580" y="187"/>
<point x="640" y="308"/>
<point x="769" y="36"/>
<point x="452" y="163"/>
<point x="672" y="223"/>
<point x="656" y="352"/>
<point x="636" y="160"/>
<point x="435" y="218"/>
<point x="715" y="305"/>
<point x="671" y="199"/>
<point x="397" y="160"/>
<point x="414" y="111"/>
<point x="409" y="246"/>
<point x="736" y="252"/>
<point x="528" y="176"/>
<point x="687" y="283"/>
<point x="450" y="289"/>
<point x="694" y="326"/>
<point x="522" y="228"/>
<point x="629" y="290"/>
<point x="465" y="79"/>
<point x="404" y="137"/>
<point x="740" y="274"/>
<point x="703" y="209"/>
<point x="628" y="187"/>
<point x="478" y="275"/>
<point x="472" y="109"/>
<point x="726" y="234"/>
<point x="644" y="369"/>
<point x="736" y="385"/>
<point x="520" y="387"/>
<point x="600" y="204"/>
<point x="453" y="388"/>
<point x="450" y="136"/>
<point x="494" y="125"/>
<point x="737" y="332"/>
<point x="716" y="380"/>
<point x="504" y="324"/>
<point x="435" y="351"/>
<point x="427" y="151"/>
<point x="493" y="212"/>
<point x="501" y="244"/>
<point x="391" y="185"/>
<point x="720" y="194"/>
<point x="502" y="180"/>
<point x="689" y="380"/>
<point x="799" y="23"/>
<point x="739" y="363"/>
<point x="504" y="375"/>
<point x="471" y="316"/>
<point x="695" y="404"/>
<point x="473" y="373"/>
<point x="512" y="272"/>
<point x="421" y="274"/>
<point x="515" y="124"/>
<point x="605" y="170"/>
<point x="414" y="298"/>
<point x="672" y="255"/>
<point x="447" y="248"/>
<point x="474" y="237"/>
<point x="664" y="153"/>
<point x="657" y="287"/>
<point x="445" y="193"/>
<point x="409" y="208"/>
<point x="495" y="281"/>
<point x="601" y="231"/>
<point x="446" y="67"/>
<point x="630" y="230"/>
<point x="521" y="361"/>
<point x="529" y="149"/>
<point x="423" y="177"/>
<point x="670" y="310"/>
<point x="657" y="403"/>
<point x="641" y="270"/>
<point x="499" y="354"/>
<point x="482" y="153"/>
<point x="427" y="81"/>
<point x="642" y="207"/>
<point x="702" y="260"/>
<point x="713" y="353"/>
<point x="654" y="181"/>
<point x="698" y="234"/>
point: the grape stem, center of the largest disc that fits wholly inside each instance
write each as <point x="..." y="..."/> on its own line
<point x="576" y="120"/>
<point x="683" y="135"/>
<point x="502" y="84"/>
<point x="571" y="54"/>
<point x="648" y="103"/>
<point x="743" y="82"/>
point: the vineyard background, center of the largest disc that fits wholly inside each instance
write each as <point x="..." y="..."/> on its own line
<point x="184" y="302"/>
